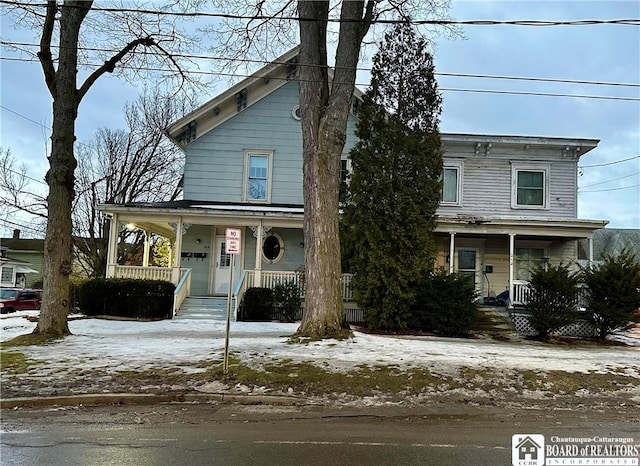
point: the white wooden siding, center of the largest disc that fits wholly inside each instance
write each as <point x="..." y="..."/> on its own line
<point x="487" y="184"/>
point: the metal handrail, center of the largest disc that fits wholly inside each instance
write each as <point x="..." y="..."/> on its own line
<point x="182" y="290"/>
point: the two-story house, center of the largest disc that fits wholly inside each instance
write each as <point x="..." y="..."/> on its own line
<point x="508" y="202"/>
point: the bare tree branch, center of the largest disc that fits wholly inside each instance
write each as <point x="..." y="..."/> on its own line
<point x="44" y="55"/>
<point x="110" y="64"/>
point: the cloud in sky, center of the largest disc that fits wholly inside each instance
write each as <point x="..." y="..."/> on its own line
<point x="608" y="53"/>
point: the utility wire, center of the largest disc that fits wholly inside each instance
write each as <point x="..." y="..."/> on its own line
<point x="8" y="222"/>
<point x="26" y="176"/>
<point x="204" y="14"/>
<point x="609" y="181"/>
<point x="610" y="189"/>
<point x="445" y="89"/>
<point x="25" y="117"/>
<point x="275" y="62"/>
<point x="610" y="163"/>
<point x="543" y="94"/>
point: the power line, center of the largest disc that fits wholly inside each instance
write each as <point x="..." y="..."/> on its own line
<point x="609" y="163"/>
<point x="275" y="62"/>
<point x="444" y="89"/>
<point x="8" y="222"/>
<point x="25" y="117"/>
<point x="26" y="176"/>
<point x="610" y="189"/>
<point x="433" y="22"/>
<point x="542" y="94"/>
<point x="609" y="181"/>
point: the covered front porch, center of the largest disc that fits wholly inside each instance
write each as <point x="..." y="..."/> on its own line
<point x="500" y="253"/>
<point x="272" y="247"/>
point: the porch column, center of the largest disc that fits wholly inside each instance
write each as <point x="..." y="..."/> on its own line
<point x="590" y="242"/>
<point x="112" y="251"/>
<point x="452" y="250"/>
<point x="178" y="244"/>
<point x="512" y="247"/>
<point x="257" y="278"/>
<point x="147" y="249"/>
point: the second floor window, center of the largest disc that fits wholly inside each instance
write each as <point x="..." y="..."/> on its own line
<point x="530" y="186"/>
<point x="451" y="193"/>
<point x="258" y="176"/>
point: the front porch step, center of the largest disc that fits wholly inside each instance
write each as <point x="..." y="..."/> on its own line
<point x="494" y="321"/>
<point x="203" y="307"/>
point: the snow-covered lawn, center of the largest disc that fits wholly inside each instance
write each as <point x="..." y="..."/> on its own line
<point x="117" y="345"/>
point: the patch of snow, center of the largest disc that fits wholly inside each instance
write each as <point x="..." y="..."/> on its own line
<point x="113" y="346"/>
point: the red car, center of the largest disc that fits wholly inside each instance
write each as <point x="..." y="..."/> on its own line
<point x="15" y="299"/>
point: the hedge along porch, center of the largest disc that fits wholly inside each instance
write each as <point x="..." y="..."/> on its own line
<point x="199" y="265"/>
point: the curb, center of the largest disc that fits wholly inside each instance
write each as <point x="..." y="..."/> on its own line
<point x="147" y="399"/>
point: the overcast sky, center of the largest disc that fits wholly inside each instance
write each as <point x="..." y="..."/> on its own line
<point x="602" y="53"/>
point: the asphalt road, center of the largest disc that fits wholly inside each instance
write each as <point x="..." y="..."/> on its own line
<point x="206" y="434"/>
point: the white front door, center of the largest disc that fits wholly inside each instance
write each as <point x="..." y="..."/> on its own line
<point x="222" y="267"/>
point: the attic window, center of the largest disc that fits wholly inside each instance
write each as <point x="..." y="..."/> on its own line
<point x="241" y="100"/>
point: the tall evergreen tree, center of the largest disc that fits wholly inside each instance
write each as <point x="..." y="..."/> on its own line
<point x="394" y="190"/>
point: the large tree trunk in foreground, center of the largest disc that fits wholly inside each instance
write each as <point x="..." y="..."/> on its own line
<point x="60" y="178"/>
<point x="324" y="124"/>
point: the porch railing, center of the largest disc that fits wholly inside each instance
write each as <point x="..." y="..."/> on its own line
<point x="272" y="278"/>
<point x="347" y="294"/>
<point x="520" y="293"/>
<point x="183" y="289"/>
<point x="238" y="292"/>
<point x="148" y="273"/>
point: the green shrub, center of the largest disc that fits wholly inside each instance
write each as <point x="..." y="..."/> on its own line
<point x="613" y="293"/>
<point x="445" y="304"/>
<point x="286" y="296"/>
<point x="257" y="304"/>
<point x="552" y="299"/>
<point x="140" y="299"/>
<point x="92" y="296"/>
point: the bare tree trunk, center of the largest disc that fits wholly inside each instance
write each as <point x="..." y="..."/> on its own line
<point x="324" y="123"/>
<point x="62" y="163"/>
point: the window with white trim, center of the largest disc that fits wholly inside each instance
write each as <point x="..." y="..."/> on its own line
<point x="345" y="169"/>
<point x="527" y="260"/>
<point x="257" y="185"/>
<point x="530" y="186"/>
<point x="451" y="177"/>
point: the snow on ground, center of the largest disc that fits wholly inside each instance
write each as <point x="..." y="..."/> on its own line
<point x="126" y="345"/>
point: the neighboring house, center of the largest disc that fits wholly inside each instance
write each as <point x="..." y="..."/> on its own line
<point x="508" y="202"/>
<point x="20" y="261"/>
<point x="611" y="242"/>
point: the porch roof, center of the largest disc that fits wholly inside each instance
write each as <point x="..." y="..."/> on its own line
<point x="490" y="225"/>
<point x="158" y="216"/>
